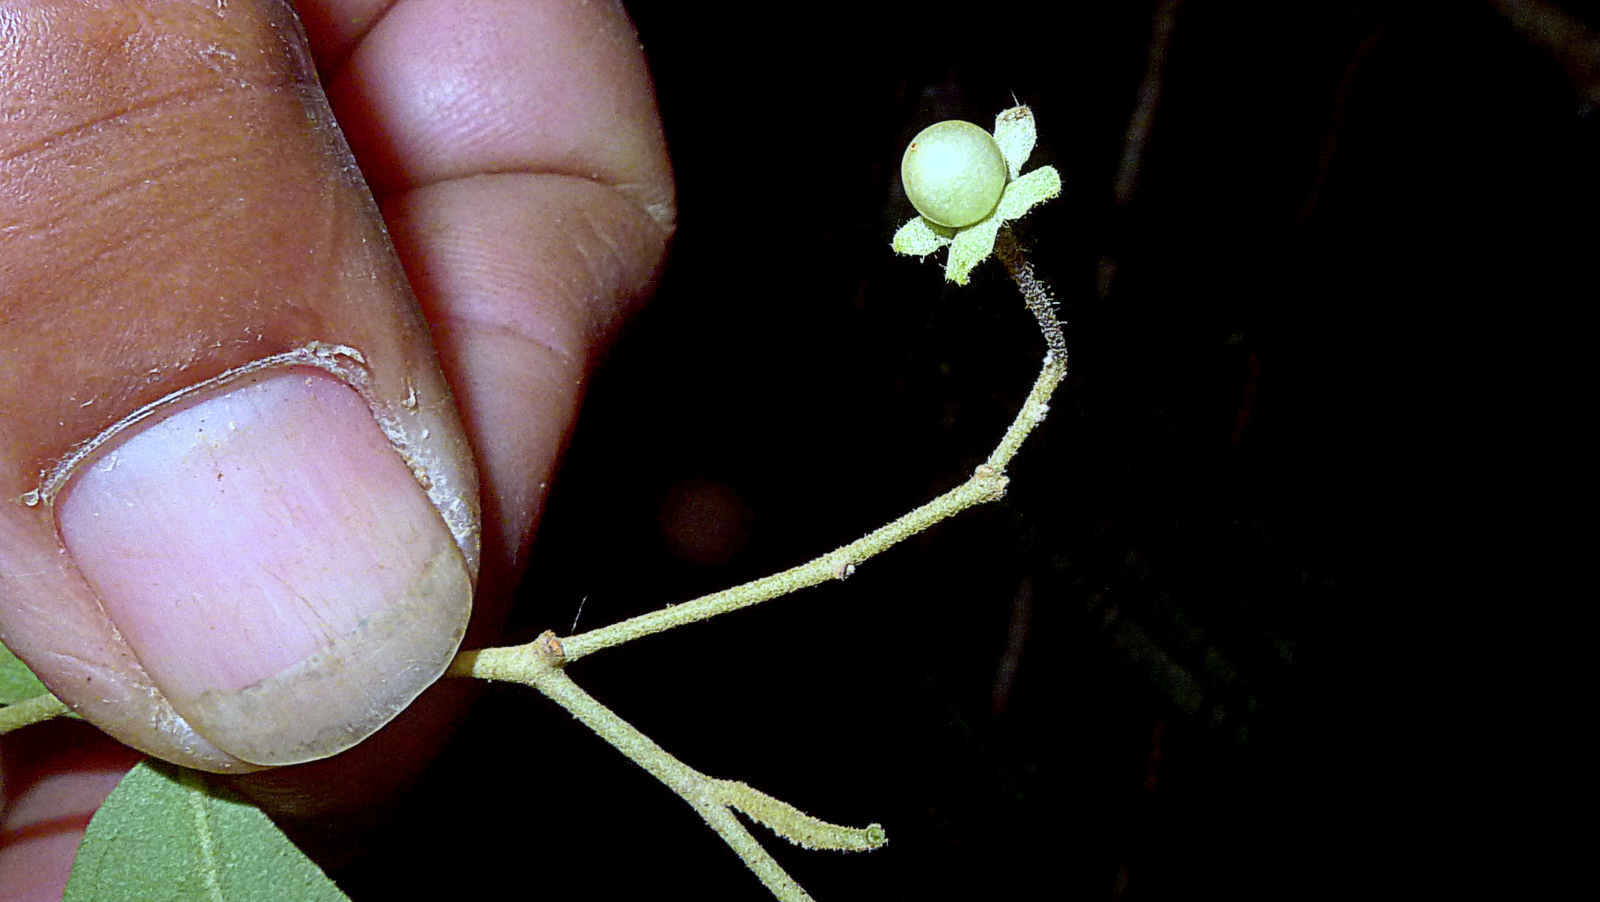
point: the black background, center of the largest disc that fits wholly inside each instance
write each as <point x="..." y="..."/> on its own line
<point x="1321" y="351"/>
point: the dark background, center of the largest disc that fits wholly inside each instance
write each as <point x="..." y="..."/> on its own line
<point x="1321" y="370"/>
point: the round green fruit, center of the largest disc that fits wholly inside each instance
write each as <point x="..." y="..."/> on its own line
<point x="953" y="173"/>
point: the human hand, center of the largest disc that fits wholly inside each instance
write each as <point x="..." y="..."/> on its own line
<point x="174" y="206"/>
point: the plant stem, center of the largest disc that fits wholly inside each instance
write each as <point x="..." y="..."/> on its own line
<point x="539" y="664"/>
<point x="31" y="711"/>
<point x="985" y="485"/>
<point x="1034" y="294"/>
<point x="1033" y="412"/>
<point x="679" y="777"/>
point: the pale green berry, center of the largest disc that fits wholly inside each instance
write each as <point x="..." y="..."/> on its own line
<point x="953" y="173"/>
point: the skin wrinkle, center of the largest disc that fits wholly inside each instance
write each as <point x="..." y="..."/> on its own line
<point x="184" y="94"/>
<point x="609" y="275"/>
<point x="443" y="152"/>
<point x="171" y="165"/>
<point x="660" y="213"/>
<point x="110" y="197"/>
<point x="79" y="663"/>
<point x="489" y="276"/>
<point x="336" y="64"/>
<point x="477" y="321"/>
<point x="568" y="360"/>
<point x="119" y="116"/>
<point x="612" y="259"/>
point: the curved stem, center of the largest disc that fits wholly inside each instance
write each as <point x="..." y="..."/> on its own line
<point x="541" y="663"/>
<point x="1034" y="294"/>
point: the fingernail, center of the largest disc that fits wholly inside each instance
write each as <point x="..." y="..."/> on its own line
<point x="274" y="564"/>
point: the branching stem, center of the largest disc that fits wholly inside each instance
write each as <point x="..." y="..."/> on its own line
<point x="542" y="663"/>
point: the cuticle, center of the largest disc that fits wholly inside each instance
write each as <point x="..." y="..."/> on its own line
<point x="343" y="362"/>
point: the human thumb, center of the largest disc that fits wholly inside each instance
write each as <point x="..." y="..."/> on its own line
<point x="240" y="524"/>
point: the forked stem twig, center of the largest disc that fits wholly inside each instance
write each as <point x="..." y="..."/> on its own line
<point x="541" y="663"/>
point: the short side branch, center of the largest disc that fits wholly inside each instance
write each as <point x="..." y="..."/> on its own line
<point x="539" y="664"/>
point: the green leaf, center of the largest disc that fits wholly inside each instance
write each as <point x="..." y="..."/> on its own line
<point x="972" y="246"/>
<point x="17" y="682"/>
<point x="1027" y="192"/>
<point x="165" y="834"/>
<point x="919" y="238"/>
<point x="1014" y="131"/>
